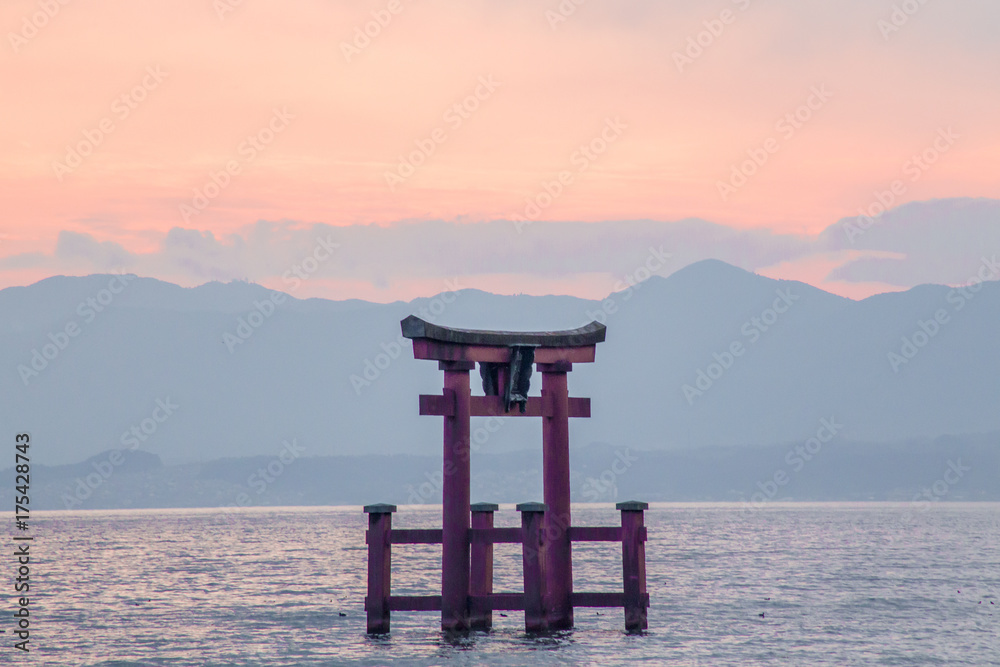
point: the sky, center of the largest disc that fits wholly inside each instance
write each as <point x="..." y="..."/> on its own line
<point x="395" y="148"/>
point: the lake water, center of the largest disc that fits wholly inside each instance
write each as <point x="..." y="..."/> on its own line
<point x="838" y="584"/>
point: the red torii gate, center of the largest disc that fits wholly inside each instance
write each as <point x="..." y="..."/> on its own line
<point x="467" y="534"/>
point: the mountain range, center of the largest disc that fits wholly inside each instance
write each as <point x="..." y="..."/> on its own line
<point x="710" y="356"/>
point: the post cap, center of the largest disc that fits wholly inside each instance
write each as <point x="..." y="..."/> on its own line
<point x="532" y="507"/>
<point x="380" y="508"/>
<point x="484" y="507"/>
<point x="632" y="505"/>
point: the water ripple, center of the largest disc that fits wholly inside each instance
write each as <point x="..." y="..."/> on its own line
<point x="837" y="584"/>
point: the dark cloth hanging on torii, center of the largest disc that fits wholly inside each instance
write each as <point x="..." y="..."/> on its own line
<point x="519" y="377"/>
<point x="522" y="358"/>
<point x="490" y="373"/>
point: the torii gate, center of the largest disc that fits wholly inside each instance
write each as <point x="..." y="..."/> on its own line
<point x="467" y="534"/>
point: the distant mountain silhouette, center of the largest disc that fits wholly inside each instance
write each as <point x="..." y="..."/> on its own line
<point x="335" y="376"/>
<point x="915" y="473"/>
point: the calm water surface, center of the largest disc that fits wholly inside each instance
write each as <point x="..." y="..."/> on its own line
<point x="838" y="584"/>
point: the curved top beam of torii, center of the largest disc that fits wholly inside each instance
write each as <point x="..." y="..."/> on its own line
<point x="585" y="336"/>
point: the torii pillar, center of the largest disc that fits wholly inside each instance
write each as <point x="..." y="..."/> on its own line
<point x="555" y="490"/>
<point x="505" y="354"/>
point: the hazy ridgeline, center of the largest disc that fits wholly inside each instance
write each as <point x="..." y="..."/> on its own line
<point x="947" y="469"/>
<point x="718" y="383"/>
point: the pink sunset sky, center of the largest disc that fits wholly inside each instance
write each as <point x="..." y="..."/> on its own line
<point x="609" y="116"/>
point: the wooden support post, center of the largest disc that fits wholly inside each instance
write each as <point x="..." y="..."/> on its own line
<point x="455" y="520"/>
<point x="481" y="578"/>
<point x="533" y="547"/>
<point x="555" y="480"/>
<point x="379" y="566"/>
<point x="634" y="564"/>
